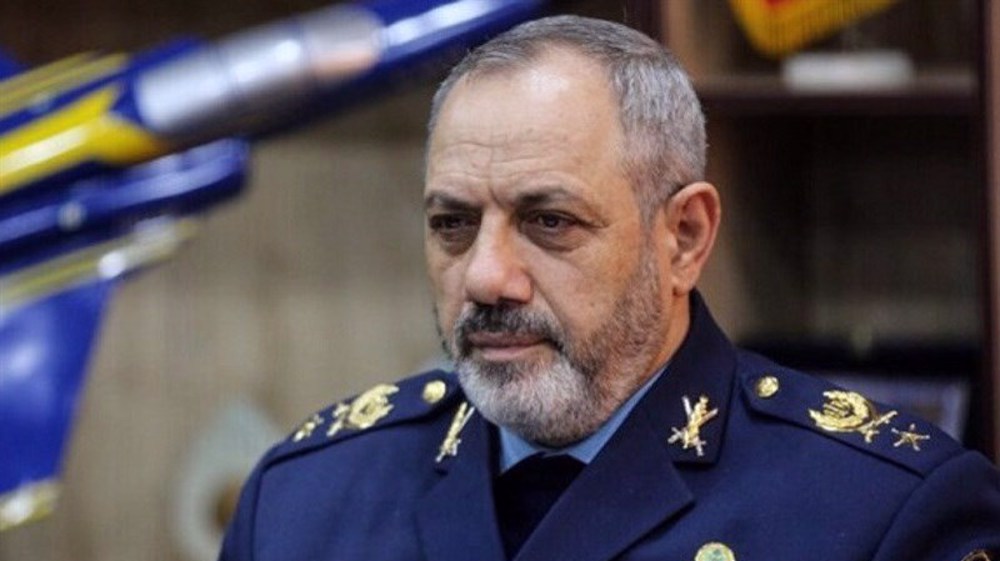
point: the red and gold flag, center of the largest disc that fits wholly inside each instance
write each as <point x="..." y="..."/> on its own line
<point x="780" y="27"/>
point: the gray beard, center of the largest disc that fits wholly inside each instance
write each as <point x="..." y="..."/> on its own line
<point x="565" y="399"/>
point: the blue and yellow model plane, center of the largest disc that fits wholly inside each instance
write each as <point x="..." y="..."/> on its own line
<point x="107" y="162"/>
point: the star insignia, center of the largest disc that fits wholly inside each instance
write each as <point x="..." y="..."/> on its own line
<point x="909" y="436"/>
<point x="339" y="418"/>
<point x="307" y="428"/>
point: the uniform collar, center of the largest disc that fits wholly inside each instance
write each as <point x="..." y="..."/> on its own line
<point x="514" y="448"/>
<point x="703" y="366"/>
<point x="634" y="484"/>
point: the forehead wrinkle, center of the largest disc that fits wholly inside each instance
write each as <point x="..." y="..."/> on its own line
<point x="499" y="176"/>
<point x="503" y="158"/>
<point x="483" y="155"/>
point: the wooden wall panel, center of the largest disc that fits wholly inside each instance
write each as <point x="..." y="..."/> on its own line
<point x="308" y="289"/>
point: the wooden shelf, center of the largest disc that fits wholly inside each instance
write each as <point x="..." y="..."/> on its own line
<point x="948" y="92"/>
<point x="884" y="227"/>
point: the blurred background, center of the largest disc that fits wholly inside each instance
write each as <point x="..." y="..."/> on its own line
<point x="858" y="242"/>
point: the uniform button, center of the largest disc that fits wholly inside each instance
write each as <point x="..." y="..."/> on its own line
<point x="715" y="551"/>
<point x="434" y="391"/>
<point x="767" y="386"/>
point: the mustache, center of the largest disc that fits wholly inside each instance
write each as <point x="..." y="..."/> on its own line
<point x="507" y="320"/>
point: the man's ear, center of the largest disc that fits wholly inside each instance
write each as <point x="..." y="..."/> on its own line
<point x="692" y="219"/>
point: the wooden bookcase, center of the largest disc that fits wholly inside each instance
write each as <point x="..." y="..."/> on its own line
<point x="991" y="105"/>
<point x="859" y="222"/>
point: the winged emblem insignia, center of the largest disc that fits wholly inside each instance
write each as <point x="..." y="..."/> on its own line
<point x="847" y="412"/>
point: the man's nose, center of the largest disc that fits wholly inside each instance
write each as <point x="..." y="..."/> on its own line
<point x="496" y="272"/>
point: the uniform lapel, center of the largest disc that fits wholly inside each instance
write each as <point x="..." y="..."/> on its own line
<point x="456" y="519"/>
<point x="629" y="488"/>
<point x="704" y="366"/>
<point x="634" y="484"/>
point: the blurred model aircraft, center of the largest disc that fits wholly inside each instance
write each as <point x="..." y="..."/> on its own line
<point x="107" y="163"/>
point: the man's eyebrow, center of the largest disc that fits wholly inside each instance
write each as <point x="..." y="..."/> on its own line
<point x="546" y="195"/>
<point x="444" y="200"/>
<point x="532" y="198"/>
<point x="554" y="194"/>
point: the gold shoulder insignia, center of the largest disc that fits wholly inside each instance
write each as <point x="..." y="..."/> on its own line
<point x="362" y="413"/>
<point x="379" y="406"/>
<point x="849" y="417"/>
<point x="978" y="555"/>
<point x="850" y="412"/>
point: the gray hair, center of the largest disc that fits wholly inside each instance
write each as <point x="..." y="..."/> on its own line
<point x="660" y="116"/>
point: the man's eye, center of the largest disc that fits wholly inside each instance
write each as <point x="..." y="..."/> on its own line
<point x="454" y="231"/>
<point x="551" y="221"/>
<point x="450" y="222"/>
<point x="554" y="230"/>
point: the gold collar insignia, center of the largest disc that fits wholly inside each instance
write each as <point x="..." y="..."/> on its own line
<point x="690" y="435"/>
<point x="449" y="446"/>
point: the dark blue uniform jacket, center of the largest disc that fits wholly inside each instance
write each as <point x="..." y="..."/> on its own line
<point x="790" y="469"/>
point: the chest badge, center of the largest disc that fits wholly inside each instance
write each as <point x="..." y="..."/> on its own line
<point x="366" y="410"/>
<point x="850" y="412"/>
<point x="690" y="436"/>
<point x="715" y="551"/>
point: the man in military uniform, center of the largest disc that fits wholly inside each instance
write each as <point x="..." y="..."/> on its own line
<point x="597" y="412"/>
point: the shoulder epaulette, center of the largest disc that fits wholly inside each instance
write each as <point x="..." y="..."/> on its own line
<point x="378" y="407"/>
<point x="846" y="416"/>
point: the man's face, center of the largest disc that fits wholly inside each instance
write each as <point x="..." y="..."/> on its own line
<point x="546" y="282"/>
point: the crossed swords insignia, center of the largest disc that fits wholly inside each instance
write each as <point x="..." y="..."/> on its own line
<point x="697" y="415"/>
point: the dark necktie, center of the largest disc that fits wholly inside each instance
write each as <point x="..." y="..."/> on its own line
<point x="525" y="493"/>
